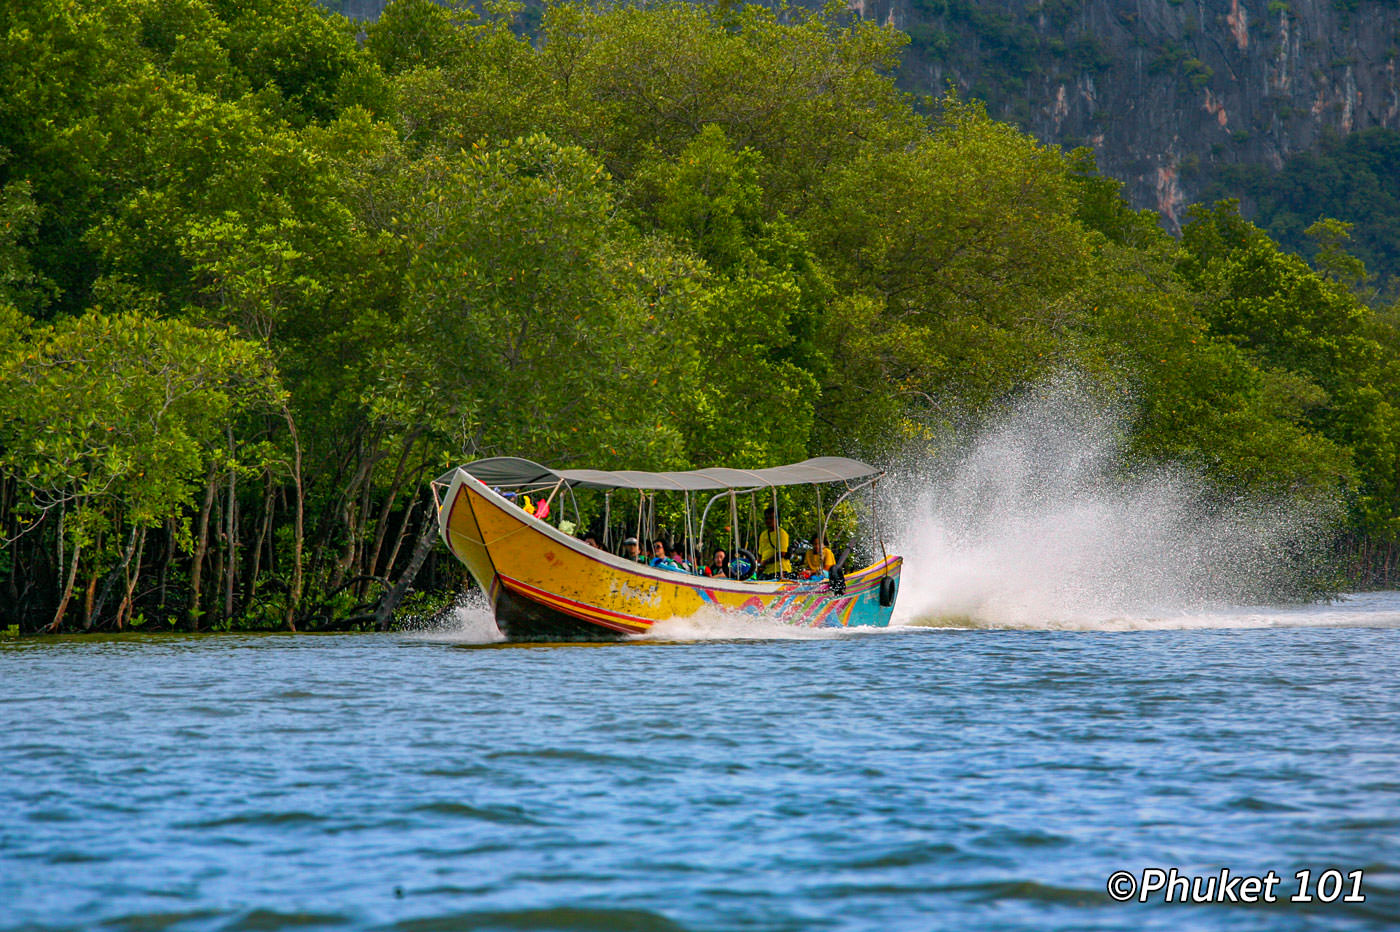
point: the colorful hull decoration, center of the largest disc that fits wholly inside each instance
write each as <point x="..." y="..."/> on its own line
<point x="545" y="585"/>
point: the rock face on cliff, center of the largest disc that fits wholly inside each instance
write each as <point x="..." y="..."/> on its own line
<point x="1165" y="91"/>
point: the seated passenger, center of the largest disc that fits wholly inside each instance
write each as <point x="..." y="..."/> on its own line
<point x="659" y="558"/>
<point x="719" y="565"/>
<point x="772" y="547"/>
<point x="678" y="558"/>
<point x="631" y="551"/>
<point x="819" y="559"/>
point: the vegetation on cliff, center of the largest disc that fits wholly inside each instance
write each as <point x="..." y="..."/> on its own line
<point x="1355" y="177"/>
<point x="261" y="278"/>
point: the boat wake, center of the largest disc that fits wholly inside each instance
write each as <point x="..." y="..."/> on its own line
<point x="722" y="626"/>
<point x="468" y="621"/>
<point x="1357" y="610"/>
<point x="1036" y="523"/>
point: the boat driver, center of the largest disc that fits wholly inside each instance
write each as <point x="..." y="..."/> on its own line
<point x="772" y="547"/>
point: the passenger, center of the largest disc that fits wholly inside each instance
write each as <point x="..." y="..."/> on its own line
<point x="719" y="565"/>
<point x="772" y="547"/>
<point x="630" y="551"/>
<point x="820" y="559"/>
<point x="659" y="558"/>
<point x="591" y="541"/>
<point x="678" y="558"/>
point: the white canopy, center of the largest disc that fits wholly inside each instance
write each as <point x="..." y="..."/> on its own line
<point x="513" y="472"/>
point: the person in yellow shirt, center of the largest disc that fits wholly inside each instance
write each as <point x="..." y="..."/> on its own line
<point x="772" y="547"/>
<point x="819" y="559"/>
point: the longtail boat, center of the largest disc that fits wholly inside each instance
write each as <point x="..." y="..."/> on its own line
<point x="543" y="583"/>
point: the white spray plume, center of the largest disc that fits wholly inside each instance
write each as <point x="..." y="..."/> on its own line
<point x="468" y="621"/>
<point x="1034" y="522"/>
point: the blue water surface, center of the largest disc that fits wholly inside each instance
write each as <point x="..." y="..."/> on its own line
<point x="915" y="779"/>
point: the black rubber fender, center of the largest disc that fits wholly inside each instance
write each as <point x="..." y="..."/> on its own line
<point x="888" y="588"/>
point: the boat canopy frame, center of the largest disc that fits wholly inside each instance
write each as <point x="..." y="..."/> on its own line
<point x="510" y="472"/>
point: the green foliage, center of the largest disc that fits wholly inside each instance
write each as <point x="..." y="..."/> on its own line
<point x="1335" y="350"/>
<point x="965" y="255"/>
<point x="1355" y="178"/>
<point x="20" y="284"/>
<point x="1198" y="73"/>
<point x="805" y="92"/>
<point x="113" y="420"/>
<point x="415" y="34"/>
<point x="521" y="286"/>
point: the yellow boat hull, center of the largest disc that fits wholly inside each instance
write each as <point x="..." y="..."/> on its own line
<point x="545" y="585"/>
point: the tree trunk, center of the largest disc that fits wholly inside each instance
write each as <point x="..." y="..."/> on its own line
<point x="394" y="596"/>
<point x="361" y="527"/>
<point x="294" y="595"/>
<point x="90" y="591"/>
<point x="216" y="575"/>
<point x="382" y="524"/>
<point x="67" y="591"/>
<point x="231" y="524"/>
<point x="133" y="576"/>
<point x="103" y="594"/>
<point x="201" y="547"/>
<point x="399" y="539"/>
<point x="347" y="556"/>
<point x="352" y="512"/>
<point x="166" y="558"/>
<point x="342" y="508"/>
<point x="251" y="587"/>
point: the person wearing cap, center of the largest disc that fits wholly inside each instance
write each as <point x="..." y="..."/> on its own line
<point x="631" y="550"/>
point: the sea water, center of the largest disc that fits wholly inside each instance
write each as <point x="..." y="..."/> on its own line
<point x="711" y="776"/>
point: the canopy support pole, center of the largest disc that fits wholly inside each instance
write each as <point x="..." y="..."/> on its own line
<point x="578" y="518"/>
<point x="879" y="532"/>
<point x="689" y="527"/>
<point x="779" y="554"/>
<point x="845" y="495"/>
<point x="549" y="500"/>
<point x="705" y="516"/>
<point x="734" y="521"/>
